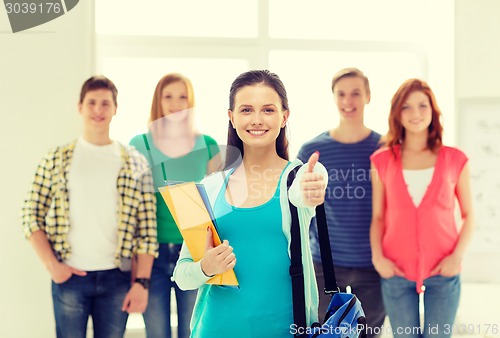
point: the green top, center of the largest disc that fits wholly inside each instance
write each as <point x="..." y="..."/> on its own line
<point x="187" y="168"/>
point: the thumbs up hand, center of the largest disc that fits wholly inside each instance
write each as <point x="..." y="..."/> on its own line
<point x="313" y="159"/>
<point x="217" y="259"/>
<point x="312" y="184"/>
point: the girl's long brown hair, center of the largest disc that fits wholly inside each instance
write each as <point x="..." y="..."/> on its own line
<point x="396" y="134"/>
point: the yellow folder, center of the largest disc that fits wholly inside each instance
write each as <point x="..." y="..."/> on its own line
<point x="193" y="218"/>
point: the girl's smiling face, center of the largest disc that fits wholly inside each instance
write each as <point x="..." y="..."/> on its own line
<point x="258" y="116"/>
<point x="416" y="113"/>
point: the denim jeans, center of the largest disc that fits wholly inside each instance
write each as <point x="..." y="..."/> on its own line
<point x="365" y="284"/>
<point x="441" y="299"/>
<point x="157" y="315"/>
<point x="99" y="294"/>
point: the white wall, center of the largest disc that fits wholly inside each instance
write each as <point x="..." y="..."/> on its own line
<point x="477" y="77"/>
<point x="477" y="48"/>
<point x="41" y="72"/>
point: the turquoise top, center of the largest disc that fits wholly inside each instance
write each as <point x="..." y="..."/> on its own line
<point x="262" y="306"/>
<point x="189" y="276"/>
<point x="186" y="168"/>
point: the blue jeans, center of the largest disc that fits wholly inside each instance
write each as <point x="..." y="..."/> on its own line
<point x="441" y="299"/>
<point x="365" y="284"/>
<point x="99" y="294"/>
<point x="157" y="315"/>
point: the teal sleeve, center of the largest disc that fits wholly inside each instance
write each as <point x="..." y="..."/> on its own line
<point x="188" y="274"/>
<point x="212" y="146"/>
<point x="138" y="143"/>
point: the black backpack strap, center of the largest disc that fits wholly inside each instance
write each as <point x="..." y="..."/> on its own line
<point x="331" y="286"/>
<point x="296" y="268"/>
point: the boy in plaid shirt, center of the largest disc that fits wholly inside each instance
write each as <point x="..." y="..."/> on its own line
<point x="90" y="210"/>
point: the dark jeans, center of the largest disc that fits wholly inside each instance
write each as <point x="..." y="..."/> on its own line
<point x="99" y="294"/>
<point x="157" y="315"/>
<point x="365" y="284"/>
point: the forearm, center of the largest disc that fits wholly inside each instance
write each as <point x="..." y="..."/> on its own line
<point x="188" y="274"/>
<point x="467" y="212"/>
<point x="465" y="236"/>
<point x="43" y="249"/>
<point x="144" y="265"/>
<point x="376" y="239"/>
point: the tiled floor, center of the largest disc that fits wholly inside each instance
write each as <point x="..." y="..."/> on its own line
<point x="478" y="315"/>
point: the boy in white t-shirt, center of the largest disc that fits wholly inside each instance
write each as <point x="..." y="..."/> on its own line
<point x="90" y="210"/>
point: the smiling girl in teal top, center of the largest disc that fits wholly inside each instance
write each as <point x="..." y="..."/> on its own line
<point x="251" y="207"/>
<point x="262" y="272"/>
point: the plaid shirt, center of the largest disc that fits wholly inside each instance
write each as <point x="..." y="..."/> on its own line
<point x="47" y="206"/>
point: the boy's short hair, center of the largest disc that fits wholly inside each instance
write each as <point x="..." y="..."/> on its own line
<point x="99" y="82"/>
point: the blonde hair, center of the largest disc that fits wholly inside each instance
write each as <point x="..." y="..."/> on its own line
<point x="350" y="72"/>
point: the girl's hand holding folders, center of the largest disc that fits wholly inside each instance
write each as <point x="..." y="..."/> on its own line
<point x="219" y="259"/>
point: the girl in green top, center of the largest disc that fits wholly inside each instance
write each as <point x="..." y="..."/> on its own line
<point x="176" y="152"/>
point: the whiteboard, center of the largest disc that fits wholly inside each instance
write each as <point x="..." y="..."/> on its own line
<point x="479" y="137"/>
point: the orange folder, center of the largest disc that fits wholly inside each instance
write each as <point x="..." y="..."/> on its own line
<point x="192" y="217"/>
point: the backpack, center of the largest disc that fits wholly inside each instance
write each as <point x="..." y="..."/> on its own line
<point x="345" y="317"/>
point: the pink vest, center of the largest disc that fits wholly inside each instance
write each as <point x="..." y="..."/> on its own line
<point x="417" y="238"/>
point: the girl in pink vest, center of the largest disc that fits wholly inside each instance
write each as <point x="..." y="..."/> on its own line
<point x="416" y="245"/>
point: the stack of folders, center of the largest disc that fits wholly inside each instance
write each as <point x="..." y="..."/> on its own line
<point x="191" y="210"/>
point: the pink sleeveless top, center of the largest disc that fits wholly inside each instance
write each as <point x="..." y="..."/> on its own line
<point x="417" y="238"/>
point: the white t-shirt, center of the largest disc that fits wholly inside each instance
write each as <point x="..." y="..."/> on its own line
<point x="93" y="206"/>
<point x="417" y="181"/>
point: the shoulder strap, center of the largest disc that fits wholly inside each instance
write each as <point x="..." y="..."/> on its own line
<point x="151" y="162"/>
<point x="146" y="143"/>
<point x="325" y="249"/>
<point x="209" y="146"/>
<point x="296" y="268"/>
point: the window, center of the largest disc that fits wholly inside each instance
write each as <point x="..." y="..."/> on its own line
<point x="304" y="43"/>
<point x="354" y="20"/>
<point x="177" y="18"/>
<point x="311" y="100"/>
<point x="210" y="79"/>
